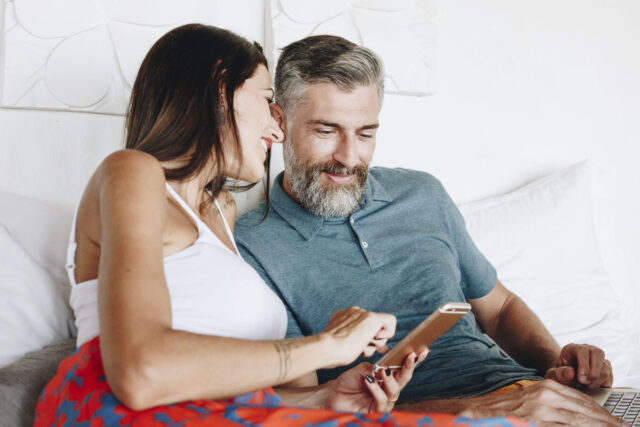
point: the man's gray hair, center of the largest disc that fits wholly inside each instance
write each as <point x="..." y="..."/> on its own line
<point x="325" y="59"/>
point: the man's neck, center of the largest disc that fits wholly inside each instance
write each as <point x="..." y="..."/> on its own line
<point x="286" y="186"/>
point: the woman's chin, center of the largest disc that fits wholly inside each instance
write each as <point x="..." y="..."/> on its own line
<point x="252" y="176"/>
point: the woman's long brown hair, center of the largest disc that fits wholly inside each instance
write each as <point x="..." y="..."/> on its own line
<point x="183" y="96"/>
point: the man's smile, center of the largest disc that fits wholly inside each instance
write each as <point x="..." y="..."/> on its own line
<point x="339" y="178"/>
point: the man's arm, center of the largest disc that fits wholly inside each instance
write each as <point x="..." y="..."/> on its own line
<point x="508" y="320"/>
<point x="545" y="403"/>
<point x="517" y="329"/>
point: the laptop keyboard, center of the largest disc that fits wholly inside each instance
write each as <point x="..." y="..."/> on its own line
<point x="625" y="406"/>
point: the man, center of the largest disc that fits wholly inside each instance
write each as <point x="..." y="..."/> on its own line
<point x="339" y="233"/>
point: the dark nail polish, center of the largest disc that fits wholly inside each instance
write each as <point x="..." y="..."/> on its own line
<point x="369" y="379"/>
<point x="415" y="360"/>
<point x="388" y="371"/>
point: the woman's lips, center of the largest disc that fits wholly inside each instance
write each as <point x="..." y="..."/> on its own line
<point x="339" y="179"/>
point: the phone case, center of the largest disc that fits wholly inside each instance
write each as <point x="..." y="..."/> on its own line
<point x="424" y="334"/>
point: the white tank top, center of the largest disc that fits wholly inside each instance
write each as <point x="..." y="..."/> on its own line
<point x="213" y="290"/>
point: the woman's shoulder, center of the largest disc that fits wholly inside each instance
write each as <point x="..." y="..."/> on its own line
<point x="127" y="191"/>
<point x="125" y="165"/>
<point x="128" y="177"/>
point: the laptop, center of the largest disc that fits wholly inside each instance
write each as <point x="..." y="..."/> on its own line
<point x="621" y="402"/>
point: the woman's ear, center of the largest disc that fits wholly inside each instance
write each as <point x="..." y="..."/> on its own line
<point x="278" y="115"/>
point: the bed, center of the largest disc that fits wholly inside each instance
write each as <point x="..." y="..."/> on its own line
<point x="521" y="100"/>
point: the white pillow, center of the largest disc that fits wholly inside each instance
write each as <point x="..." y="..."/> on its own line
<point x="34" y="308"/>
<point x="543" y="241"/>
<point x="41" y="228"/>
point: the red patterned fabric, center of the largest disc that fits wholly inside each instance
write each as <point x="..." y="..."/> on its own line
<point x="78" y="395"/>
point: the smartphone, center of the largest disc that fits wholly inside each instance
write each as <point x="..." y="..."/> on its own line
<point x="424" y="334"/>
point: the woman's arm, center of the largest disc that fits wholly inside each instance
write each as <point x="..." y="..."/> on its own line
<point x="146" y="362"/>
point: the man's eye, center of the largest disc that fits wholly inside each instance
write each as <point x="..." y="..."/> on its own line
<point x="324" y="131"/>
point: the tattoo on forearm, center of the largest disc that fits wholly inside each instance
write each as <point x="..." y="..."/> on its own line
<point x="284" y="357"/>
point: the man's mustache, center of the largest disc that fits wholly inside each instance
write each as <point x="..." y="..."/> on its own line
<point x="337" y="168"/>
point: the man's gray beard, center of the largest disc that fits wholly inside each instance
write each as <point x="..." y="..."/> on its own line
<point x="322" y="198"/>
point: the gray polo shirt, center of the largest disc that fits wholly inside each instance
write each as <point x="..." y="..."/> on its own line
<point x="405" y="250"/>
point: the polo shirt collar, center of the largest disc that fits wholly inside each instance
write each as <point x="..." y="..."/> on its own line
<point x="308" y="224"/>
<point x="374" y="191"/>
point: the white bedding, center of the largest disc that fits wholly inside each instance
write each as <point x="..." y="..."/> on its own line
<point x="550" y="241"/>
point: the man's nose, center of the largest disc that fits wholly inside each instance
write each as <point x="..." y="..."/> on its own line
<point x="347" y="151"/>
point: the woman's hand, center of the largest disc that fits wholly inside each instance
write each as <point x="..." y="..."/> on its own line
<point x="357" y="391"/>
<point x="354" y="332"/>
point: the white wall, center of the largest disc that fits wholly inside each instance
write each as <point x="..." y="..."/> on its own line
<point x="523" y="88"/>
<point x="51" y="154"/>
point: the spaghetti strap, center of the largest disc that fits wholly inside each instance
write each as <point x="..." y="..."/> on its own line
<point x="72" y="246"/>
<point x="175" y="196"/>
<point x="201" y="224"/>
<point x="226" y="226"/>
<point x="70" y="265"/>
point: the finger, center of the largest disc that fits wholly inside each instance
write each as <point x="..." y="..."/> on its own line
<point x="368" y="351"/>
<point x="388" y="324"/>
<point x="382" y="349"/>
<point x="607" y="373"/>
<point x="605" y="379"/>
<point x="390" y="385"/>
<point x="379" y="396"/>
<point x="378" y="342"/>
<point x="596" y="362"/>
<point x="423" y="355"/>
<point x="583" y="358"/>
<point x="384" y="334"/>
<point x="404" y="375"/>
<point x="563" y="374"/>
<point x="373" y="347"/>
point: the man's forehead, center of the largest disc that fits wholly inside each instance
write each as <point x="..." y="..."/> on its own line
<point x="328" y="102"/>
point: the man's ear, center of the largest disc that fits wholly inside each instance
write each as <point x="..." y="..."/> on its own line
<point x="278" y="115"/>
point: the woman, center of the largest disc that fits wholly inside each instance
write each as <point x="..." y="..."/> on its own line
<point x="172" y="324"/>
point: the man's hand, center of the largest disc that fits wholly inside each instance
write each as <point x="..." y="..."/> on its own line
<point x="545" y="403"/>
<point x="581" y="364"/>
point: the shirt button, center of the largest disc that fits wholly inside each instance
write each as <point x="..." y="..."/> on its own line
<point x="365" y="245"/>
